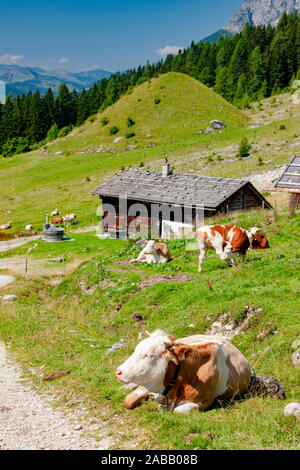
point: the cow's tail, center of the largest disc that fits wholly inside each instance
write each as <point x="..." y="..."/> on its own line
<point x="264" y="385"/>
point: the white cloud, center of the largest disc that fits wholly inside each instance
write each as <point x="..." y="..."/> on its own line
<point x="169" y="50"/>
<point x="9" y="59"/>
<point x="63" y="60"/>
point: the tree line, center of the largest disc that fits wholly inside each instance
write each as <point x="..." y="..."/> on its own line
<point x="252" y="65"/>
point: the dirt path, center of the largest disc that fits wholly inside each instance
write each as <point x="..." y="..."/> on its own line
<point x="29" y="422"/>
<point x="5" y="280"/>
<point x="10" y="244"/>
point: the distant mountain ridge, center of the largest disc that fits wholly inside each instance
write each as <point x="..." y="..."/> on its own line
<point x="21" y="80"/>
<point x="255" y="12"/>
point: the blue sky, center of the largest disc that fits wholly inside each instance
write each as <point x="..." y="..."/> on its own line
<point x="114" y="35"/>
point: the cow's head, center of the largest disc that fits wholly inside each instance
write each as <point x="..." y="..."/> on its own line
<point x="148" y="365"/>
<point x="257" y="239"/>
<point x="150" y="248"/>
<point x="260" y="242"/>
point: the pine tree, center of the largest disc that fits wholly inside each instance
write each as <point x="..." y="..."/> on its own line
<point x="257" y="72"/>
<point x="224" y="84"/>
<point x="83" y="110"/>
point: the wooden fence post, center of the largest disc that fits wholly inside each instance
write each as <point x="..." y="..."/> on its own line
<point x="63" y="262"/>
<point x="26" y="265"/>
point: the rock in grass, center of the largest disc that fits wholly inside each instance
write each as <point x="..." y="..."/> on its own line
<point x="265" y="385"/>
<point x="292" y="409"/>
<point x="296" y="358"/>
<point x="9" y="297"/>
<point x="296" y="345"/>
<point x="217" y="124"/>
<point x="114" y="348"/>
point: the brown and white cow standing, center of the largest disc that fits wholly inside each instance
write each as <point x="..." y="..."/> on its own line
<point x="57" y="220"/>
<point x="189" y="373"/>
<point x="228" y="241"/>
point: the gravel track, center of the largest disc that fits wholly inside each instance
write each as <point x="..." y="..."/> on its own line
<point x="29" y="422"/>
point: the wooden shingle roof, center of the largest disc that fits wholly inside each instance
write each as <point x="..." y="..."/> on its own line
<point x="290" y="179"/>
<point x="177" y="189"/>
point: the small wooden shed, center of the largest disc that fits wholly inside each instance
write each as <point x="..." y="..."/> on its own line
<point x="136" y="199"/>
<point x="289" y="181"/>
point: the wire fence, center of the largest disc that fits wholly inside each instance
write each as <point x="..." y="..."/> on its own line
<point x="6" y="264"/>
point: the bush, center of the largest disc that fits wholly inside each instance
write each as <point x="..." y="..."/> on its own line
<point x="37" y="145"/>
<point x="92" y="118"/>
<point x="104" y="121"/>
<point x="282" y="127"/>
<point x="157" y="100"/>
<point x="128" y="135"/>
<point x="64" y="131"/>
<point x="260" y="161"/>
<point x="52" y="134"/>
<point x="15" y="146"/>
<point x="130" y="122"/>
<point x="113" y="130"/>
<point x="244" y="148"/>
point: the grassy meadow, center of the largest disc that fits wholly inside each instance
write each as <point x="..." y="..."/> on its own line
<point x="68" y="320"/>
<point x="35" y="183"/>
<point x="70" y="325"/>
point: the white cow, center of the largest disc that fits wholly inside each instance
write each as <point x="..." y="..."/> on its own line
<point x="69" y="218"/>
<point x="54" y="213"/>
<point x="153" y="252"/>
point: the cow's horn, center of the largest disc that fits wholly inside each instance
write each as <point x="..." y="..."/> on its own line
<point x="147" y="333"/>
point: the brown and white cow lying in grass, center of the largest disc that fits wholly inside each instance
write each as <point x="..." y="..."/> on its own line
<point x="228" y="241"/>
<point x="153" y="253"/>
<point x="189" y="373"/>
<point x="6" y="226"/>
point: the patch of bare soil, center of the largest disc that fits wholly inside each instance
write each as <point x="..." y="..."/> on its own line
<point x="123" y="262"/>
<point x="107" y="283"/>
<point x="87" y="290"/>
<point x="152" y="280"/>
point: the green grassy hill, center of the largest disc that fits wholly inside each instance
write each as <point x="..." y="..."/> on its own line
<point x="184" y="106"/>
<point x="71" y="326"/>
<point x="36" y="183"/>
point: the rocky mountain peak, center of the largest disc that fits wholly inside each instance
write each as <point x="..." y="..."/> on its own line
<point x="261" y="12"/>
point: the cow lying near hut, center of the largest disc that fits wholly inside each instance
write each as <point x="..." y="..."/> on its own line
<point x="228" y="241"/>
<point x="6" y="226"/>
<point x="153" y="253"/>
<point x="188" y="374"/>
